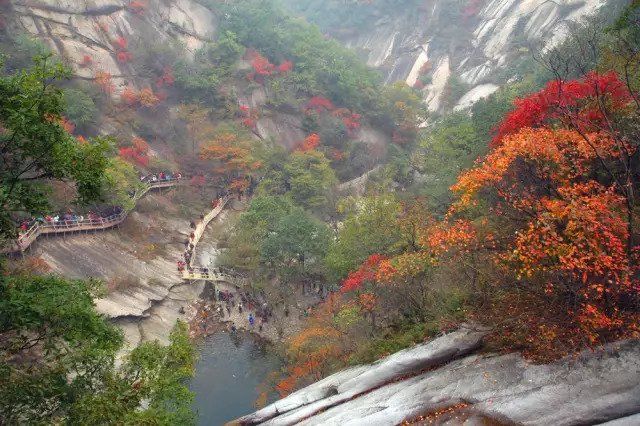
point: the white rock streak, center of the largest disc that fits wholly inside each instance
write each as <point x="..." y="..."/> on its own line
<point x="422" y="59"/>
<point x="474" y="95"/>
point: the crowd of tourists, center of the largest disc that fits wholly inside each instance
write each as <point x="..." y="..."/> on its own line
<point x="70" y="218"/>
<point x="189" y="244"/>
<point x="258" y="314"/>
<point x="161" y="177"/>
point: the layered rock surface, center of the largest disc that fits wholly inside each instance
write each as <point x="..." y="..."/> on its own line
<point x="148" y="295"/>
<point x="74" y="29"/>
<point x="595" y="387"/>
<point x="479" y="50"/>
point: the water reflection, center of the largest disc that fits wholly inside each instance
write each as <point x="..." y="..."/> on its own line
<point x="230" y="369"/>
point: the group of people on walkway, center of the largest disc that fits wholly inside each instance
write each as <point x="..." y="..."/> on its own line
<point x="161" y="177"/>
<point x="189" y="244"/>
<point x="70" y="218"/>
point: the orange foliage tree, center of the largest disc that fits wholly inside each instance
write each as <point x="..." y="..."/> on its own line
<point x="148" y="98"/>
<point x="63" y="121"/>
<point x="137" y="153"/>
<point x="230" y="150"/>
<point x="564" y="231"/>
<point x="310" y="143"/>
<point x="312" y="352"/>
<point x="104" y="81"/>
<point x="129" y="96"/>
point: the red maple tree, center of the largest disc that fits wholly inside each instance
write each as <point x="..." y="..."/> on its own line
<point x="310" y="143"/>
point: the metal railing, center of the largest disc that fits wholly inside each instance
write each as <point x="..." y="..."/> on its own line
<point x="94" y="224"/>
<point x="198" y="273"/>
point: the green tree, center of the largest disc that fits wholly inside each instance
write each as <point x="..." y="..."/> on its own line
<point x="297" y="241"/>
<point x="310" y="179"/>
<point x="263" y="214"/>
<point x="57" y="360"/>
<point x="403" y="112"/>
<point x="80" y="108"/>
<point x="122" y="182"/>
<point x="322" y="65"/>
<point x="35" y="147"/>
<point x="368" y="228"/>
<point x="246" y="238"/>
<point x="20" y="51"/>
<point x="197" y="81"/>
<point x="451" y="146"/>
<point x="226" y="51"/>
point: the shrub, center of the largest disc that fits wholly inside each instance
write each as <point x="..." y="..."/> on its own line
<point x="80" y="107"/>
<point x="148" y="98"/>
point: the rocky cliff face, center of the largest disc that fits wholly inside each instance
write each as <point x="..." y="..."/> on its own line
<point x="444" y="382"/>
<point x="479" y="47"/>
<point x="78" y="28"/>
<point x="411" y="45"/>
<point x="137" y="261"/>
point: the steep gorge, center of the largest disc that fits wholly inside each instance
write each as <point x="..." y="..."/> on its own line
<point x="408" y="45"/>
<point x="452" y="67"/>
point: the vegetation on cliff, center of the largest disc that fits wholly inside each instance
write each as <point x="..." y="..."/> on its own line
<point x="537" y="239"/>
<point x="520" y="213"/>
<point x="57" y="354"/>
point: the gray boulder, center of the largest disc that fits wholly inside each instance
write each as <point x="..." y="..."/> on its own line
<point x="592" y="388"/>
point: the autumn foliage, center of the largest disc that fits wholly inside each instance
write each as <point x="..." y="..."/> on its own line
<point x="137" y="7"/>
<point x="63" y="121"/>
<point x="542" y="234"/>
<point x="310" y="143"/>
<point x="350" y="120"/>
<point x="249" y="116"/>
<point x="231" y="156"/>
<point x="575" y="103"/>
<point x="285" y="67"/>
<point x="129" y="96"/>
<point x="319" y="104"/>
<point x="313" y="349"/>
<point x="137" y="153"/>
<point x="561" y="209"/>
<point x="166" y="79"/>
<point x="148" y="98"/>
<point x="263" y="68"/>
<point x="86" y="62"/>
<point x="122" y="54"/>
<point x="366" y="273"/>
<point x="120" y="43"/>
<point x="104" y="81"/>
